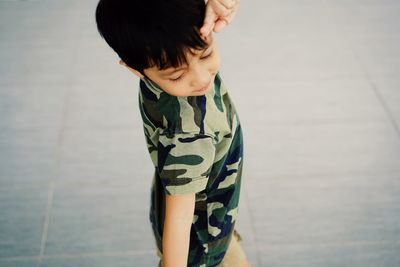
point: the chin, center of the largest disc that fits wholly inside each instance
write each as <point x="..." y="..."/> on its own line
<point x="201" y="92"/>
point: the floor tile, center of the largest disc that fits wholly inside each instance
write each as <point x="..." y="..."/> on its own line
<point x="21" y="221"/>
<point x="325" y="209"/>
<point x="28" y="106"/>
<point x="321" y="148"/>
<point x="332" y="255"/>
<point x="102" y="218"/>
<point x="28" y="157"/>
<point x="139" y="260"/>
<point x="101" y="155"/>
<point x="19" y="263"/>
<point x="296" y="102"/>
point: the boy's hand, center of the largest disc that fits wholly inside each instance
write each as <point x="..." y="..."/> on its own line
<point x="219" y="13"/>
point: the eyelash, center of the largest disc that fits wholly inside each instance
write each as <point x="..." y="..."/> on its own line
<point x="180" y="77"/>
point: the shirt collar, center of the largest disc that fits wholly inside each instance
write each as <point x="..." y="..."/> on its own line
<point x="152" y="85"/>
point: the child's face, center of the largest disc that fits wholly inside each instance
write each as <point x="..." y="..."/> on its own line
<point x="188" y="80"/>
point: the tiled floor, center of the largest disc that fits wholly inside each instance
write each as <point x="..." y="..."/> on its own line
<point x="317" y="87"/>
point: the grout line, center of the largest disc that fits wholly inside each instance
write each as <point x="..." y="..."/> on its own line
<point x="380" y="99"/>
<point x="80" y="255"/>
<point x="60" y="141"/>
<point x="149" y="251"/>
<point x="321" y="121"/>
<point x="327" y="175"/>
<point x="376" y="91"/>
<point x="339" y="244"/>
<point x="52" y="182"/>
<point x="47" y="217"/>
<point x="383" y="103"/>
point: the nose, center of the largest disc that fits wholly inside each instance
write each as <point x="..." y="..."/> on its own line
<point x="201" y="77"/>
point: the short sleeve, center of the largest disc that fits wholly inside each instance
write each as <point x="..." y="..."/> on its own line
<point x="185" y="161"/>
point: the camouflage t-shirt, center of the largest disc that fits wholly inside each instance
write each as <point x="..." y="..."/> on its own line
<point x="196" y="146"/>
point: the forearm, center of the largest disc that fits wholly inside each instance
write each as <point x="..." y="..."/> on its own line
<point x="176" y="238"/>
<point x="176" y="233"/>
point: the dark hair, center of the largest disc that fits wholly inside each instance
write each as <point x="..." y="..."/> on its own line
<point x="147" y="33"/>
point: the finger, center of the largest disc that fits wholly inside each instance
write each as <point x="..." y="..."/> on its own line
<point x="228" y="4"/>
<point x="230" y="17"/>
<point x="232" y="12"/>
<point x="209" y="19"/>
<point x="219" y="25"/>
<point x="206" y="29"/>
<point x="219" y="9"/>
<point x="206" y="33"/>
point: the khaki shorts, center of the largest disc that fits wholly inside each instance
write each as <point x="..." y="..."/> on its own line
<point x="234" y="255"/>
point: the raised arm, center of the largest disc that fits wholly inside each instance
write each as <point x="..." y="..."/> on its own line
<point x="176" y="234"/>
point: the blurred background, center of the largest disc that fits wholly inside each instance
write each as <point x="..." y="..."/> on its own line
<point x="317" y="87"/>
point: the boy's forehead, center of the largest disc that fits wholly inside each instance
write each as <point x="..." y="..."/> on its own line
<point x="188" y="54"/>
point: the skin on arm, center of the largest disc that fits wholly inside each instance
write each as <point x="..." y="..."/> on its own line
<point x="176" y="234"/>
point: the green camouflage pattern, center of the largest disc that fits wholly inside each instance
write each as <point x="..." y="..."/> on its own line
<point x="196" y="146"/>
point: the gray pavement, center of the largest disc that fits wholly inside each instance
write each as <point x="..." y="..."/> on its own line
<point x="317" y="87"/>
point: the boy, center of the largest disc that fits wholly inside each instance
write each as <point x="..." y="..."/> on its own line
<point x="191" y="127"/>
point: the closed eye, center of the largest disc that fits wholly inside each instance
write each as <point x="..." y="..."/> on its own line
<point x="207" y="56"/>
<point x="177" y="79"/>
<point x="180" y="77"/>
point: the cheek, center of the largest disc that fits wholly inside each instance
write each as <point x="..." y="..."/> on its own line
<point x="215" y="63"/>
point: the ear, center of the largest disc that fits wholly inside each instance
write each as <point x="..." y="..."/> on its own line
<point x="137" y="73"/>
